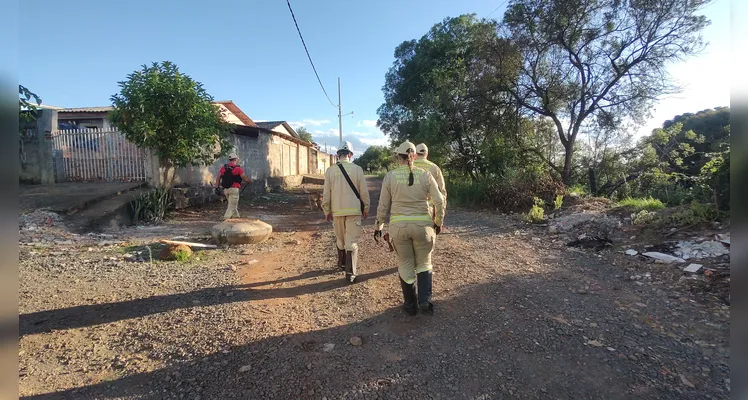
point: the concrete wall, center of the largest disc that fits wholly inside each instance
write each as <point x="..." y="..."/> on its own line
<point x="36" y="164"/>
<point x="287" y="158"/>
<point x="303" y="159"/>
<point x="253" y="158"/>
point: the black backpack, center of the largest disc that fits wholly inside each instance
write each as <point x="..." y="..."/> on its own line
<point x="228" y="178"/>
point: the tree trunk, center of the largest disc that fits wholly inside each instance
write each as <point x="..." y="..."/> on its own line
<point x="593" y="182"/>
<point x="568" y="158"/>
<point x="166" y="182"/>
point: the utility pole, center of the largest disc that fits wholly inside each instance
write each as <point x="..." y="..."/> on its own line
<point x="340" y="116"/>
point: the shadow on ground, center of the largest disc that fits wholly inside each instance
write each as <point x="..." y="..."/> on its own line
<point x="474" y="347"/>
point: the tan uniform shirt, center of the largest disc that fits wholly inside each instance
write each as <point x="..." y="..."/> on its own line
<point x="338" y="197"/>
<point x="408" y="204"/>
<point x="435" y="171"/>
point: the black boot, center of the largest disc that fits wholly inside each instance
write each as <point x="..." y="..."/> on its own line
<point x="351" y="261"/>
<point x="424" y="292"/>
<point x="341" y="259"/>
<point x="409" y="297"/>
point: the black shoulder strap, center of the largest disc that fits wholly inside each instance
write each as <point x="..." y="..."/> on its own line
<point x="353" y="187"/>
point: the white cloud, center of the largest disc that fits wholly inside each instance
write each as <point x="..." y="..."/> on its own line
<point x="308" y="122"/>
<point x="380" y="141"/>
<point x="369" y="123"/>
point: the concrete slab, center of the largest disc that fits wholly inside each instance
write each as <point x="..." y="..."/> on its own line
<point x="64" y="197"/>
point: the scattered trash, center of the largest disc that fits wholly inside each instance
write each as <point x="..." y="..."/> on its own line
<point x="328" y="347"/>
<point x="686" y="382"/>
<point x="591" y="242"/>
<point x="632" y="252"/>
<point x="693" y="268"/>
<point x="595" y="343"/>
<point x="724" y="238"/>
<point x="666" y="258"/>
<point x="706" y="249"/>
<point x="190" y="244"/>
<point x="356" y="341"/>
<point x="245" y="368"/>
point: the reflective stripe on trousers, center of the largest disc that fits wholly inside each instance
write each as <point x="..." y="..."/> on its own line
<point x="409" y="218"/>
<point x="413" y="244"/>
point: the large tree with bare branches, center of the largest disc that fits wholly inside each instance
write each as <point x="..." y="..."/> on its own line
<point x="594" y="64"/>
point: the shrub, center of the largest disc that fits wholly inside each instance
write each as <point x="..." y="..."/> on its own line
<point x="642" y="217"/>
<point x="536" y="213"/>
<point x="693" y="215"/>
<point x="558" y="202"/>
<point x="638" y="204"/>
<point x="152" y="206"/>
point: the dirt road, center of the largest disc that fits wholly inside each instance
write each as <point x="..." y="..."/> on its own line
<point x="518" y="315"/>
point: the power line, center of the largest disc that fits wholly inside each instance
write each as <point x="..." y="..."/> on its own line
<point x="307" y="54"/>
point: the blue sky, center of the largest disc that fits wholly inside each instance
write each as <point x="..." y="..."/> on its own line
<point x="250" y="52"/>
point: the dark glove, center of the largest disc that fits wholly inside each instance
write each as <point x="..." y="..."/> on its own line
<point x="377" y="235"/>
<point x="438" y="229"/>
<point x="218" y="191"/>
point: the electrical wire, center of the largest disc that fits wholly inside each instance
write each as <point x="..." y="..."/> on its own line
<point x="307" y="54"/>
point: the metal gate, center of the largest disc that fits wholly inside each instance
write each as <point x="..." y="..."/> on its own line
<point x="91" y="155"/>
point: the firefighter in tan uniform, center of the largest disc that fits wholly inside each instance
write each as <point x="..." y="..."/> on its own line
<point x="344" y="204"/>
<point x="412" y="231"/>
<point x="422" y="153"/>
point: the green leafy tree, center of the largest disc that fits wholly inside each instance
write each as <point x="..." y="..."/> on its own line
<point x="375" y="158"/>
<point x="304" y="134"/>
<point x="597" y="62"/>
<point x="442" y="90"/>
<point x="28" y="103"/>
<point x="160" y="108"/>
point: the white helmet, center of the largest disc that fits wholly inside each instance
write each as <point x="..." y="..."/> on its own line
<point x="422" y="149"/>
<point x="233" y="156"/>
<point x="406" y="147"/>
<point x="346" y="147"/>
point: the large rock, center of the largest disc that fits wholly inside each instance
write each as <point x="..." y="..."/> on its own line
<point x="241" y="231"/>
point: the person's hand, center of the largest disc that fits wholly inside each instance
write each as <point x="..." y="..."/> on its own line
<point x="218" y="191"/>
<point x="377" y="235"/>
<point x="328" y="217"/>
<point x="438" y="229"/>
<point x="366" y="214"/>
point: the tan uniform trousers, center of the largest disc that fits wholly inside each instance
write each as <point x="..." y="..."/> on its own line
<point x="413" y="244"/>
<point x="347" y="231"/>
<point x="232" y="195"/>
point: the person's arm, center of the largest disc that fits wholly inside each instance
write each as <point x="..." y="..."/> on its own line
<point x="439" y="177"/>
<point x="385" y="201"/>
<point x="245" y="179"/>
<point x="326" y="200"/>
<point x="436" y="198"/>
<point x="218" y="178"/>
<point x="363" y="191"/>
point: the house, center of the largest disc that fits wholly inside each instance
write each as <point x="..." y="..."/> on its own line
<point x="272" y="153"/>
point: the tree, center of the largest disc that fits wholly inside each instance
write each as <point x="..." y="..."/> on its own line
<point x="304" y="134"/>
<point x="375" y="158"/>
<point x="160" y="108"/>
<point x="597" y="62"/>
<point x="28" y="103"/>
<point x="437" y="92"/>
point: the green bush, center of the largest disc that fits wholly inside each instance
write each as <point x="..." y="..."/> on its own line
<point x="638" y="204"/>
<point x="152" y="206"/>
<point x="537" y="212"/>
<point x="642" y="217"/>
<point x="512" y="192"/>
<point x="693" y="215"/>
<point x="558" y="202"/>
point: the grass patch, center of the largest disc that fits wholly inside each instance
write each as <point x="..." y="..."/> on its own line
<point x="639" y="204"/>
